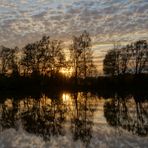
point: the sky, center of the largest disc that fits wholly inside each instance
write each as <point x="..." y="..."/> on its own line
<point x="107" y="21"/>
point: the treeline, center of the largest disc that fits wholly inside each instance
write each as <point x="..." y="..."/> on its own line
<point x="48" y="63"/>
<point x="129" y="59"/>
<point x="48" y="57"/>
<point x="42" y="57"/>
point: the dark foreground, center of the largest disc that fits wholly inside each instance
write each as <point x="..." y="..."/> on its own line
<point x="60" y="82"/>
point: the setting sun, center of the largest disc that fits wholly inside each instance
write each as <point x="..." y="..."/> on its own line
<point x="67" y="71"/>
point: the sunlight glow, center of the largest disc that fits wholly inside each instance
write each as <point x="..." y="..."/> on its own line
<point x="67" y="72"/>
<point x="66" y="97"/>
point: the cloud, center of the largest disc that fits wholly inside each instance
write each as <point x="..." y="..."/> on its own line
<point x="99" y="17"/>
<point x="23" y="21"/>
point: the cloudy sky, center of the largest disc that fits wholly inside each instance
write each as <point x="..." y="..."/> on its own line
<point x="108" y="21"/>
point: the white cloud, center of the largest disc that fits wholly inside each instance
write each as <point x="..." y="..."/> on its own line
<point x="106" y="20"/>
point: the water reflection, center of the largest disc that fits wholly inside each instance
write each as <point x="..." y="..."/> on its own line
<point x="9" y="111"/>
<point x="129" y="113"/>
<point x="74" y="112"/>
<point x="82" y="118"/>
<point x="45" y="117"/>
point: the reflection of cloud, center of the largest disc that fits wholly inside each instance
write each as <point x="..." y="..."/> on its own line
<point x="107" y="21"/>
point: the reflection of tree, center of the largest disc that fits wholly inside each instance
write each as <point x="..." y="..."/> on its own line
<point x="128" y="113"/>
<point x="9" y="114"/>
<point x="43" y="117"/>
<point x="82" y="118"/>
<point x="45" y="120"/>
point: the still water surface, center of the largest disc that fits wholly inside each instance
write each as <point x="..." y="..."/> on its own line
<point x="79" y="119"/>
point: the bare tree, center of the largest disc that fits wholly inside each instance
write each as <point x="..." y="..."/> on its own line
<point x="109" y="63"/>
<point x="57" y="57"/>
<point x="43" y="57"/>
<point x="82" y="56"/>
<point x="132" y="58"/>
<point x="125" y="56"/>
<point x="28" y="60"/>
<point x="8" y="60"/>
<point x="140" y="52"/>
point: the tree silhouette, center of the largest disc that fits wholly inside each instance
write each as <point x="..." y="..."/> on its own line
<point x="140" y="56"/>
<point x="43" y="57"/>
<point x="132" y="58"/>
<point x="8" y="61"/>
<point x="109" y="63"/>
<point x="82" y="56"/>
<point x="125" y="58"/>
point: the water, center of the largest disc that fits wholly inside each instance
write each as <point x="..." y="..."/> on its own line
<point x="80" y="119"/>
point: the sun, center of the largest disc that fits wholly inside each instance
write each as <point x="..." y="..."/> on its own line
<point x="67" y="71"/>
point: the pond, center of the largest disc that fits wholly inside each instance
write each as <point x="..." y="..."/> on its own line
<point x="74" y="120"/>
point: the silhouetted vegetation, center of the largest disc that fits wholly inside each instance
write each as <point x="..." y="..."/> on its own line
<point x="130" y="59"/>
<point x="39" y="65"/>
<point x="82" y="57"/>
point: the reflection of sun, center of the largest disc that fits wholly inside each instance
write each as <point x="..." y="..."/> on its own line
<point x="67" y="71"/>
<point x="66" y="97"/>
<point x="67" y="100"/>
